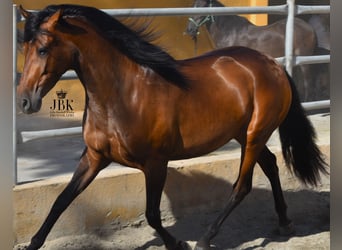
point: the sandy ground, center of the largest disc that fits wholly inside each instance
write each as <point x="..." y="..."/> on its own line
<point x="253" y="225"/>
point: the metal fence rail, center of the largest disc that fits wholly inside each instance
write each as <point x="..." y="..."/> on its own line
<point x="278" y="9"/>
<point x="289" y="60"/>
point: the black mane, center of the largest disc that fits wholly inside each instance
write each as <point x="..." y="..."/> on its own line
<point x="134" y="44"/>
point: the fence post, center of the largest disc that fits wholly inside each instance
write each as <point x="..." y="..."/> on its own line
<point x="289" y="36"/>
<point x="15" y="21"/>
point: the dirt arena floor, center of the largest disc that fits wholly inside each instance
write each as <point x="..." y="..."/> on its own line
<point x="253" y="225"/>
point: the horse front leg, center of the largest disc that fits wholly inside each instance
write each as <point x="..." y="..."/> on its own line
<point x="155" y="176"/>
<point x="89" y="166"/>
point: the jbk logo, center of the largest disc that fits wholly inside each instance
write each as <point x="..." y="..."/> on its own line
<point x="61" y="106"/>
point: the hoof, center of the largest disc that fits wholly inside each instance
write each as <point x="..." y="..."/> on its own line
<point x="182" y="245"/>
<point x="27" y="247"/>
<point x="202" y="246"/>
<point x="286" y="230"/>
<point x="20" y="247"/>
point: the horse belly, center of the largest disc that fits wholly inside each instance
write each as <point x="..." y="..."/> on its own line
<point x="213" y="124"/>
<point x="202" y="143"/>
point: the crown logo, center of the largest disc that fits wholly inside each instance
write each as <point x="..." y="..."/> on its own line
<point x="61" y="94"/>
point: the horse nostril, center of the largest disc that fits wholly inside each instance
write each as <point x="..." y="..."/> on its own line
<point x="25" y="104"/>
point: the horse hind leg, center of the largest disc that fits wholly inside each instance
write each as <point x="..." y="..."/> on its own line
<point x="268" y="164"/>
<point x="249" y="154"/>
<point x="307" y="80"/>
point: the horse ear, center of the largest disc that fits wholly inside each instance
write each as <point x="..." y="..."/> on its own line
<point x="54" y="19"/>
<point x="26" y="14"/>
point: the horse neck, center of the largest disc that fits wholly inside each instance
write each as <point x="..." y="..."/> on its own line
<point x="227" y="30"/>
<point x="101" y="69"/>
<point x="228" y="22"/>
<point x="215" y="3"/>
<point x="231" y="22"/>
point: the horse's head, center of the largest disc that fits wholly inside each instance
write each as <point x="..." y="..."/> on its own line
<point x="47" y="57"/>
<point x="195" y="22"/>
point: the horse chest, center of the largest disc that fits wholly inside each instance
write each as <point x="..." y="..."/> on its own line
<point x="121" y="144"/>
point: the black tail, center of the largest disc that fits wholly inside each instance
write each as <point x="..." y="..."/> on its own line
<point x="297" y="137"/>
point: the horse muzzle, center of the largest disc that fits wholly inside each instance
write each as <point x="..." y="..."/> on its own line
<point x="29" y="103"/>
<point x="28" y="106"/>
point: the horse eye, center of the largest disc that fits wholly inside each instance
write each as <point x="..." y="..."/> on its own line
<point x="42" y="51"/>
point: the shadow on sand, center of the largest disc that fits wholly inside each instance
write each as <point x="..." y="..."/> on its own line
<point x="254" y="218"/>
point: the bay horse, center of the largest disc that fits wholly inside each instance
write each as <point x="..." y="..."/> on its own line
<point x="144" y="108"/>
<point x="235" y="30"/>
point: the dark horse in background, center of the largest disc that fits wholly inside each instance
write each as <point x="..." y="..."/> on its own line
<point x="144" y="108"/>
<point x="233" y="30"/>
<point x="320" y="72"/>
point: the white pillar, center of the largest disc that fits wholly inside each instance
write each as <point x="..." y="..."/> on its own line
<point x="289" y="36"/>
<point x="6" y="125"/>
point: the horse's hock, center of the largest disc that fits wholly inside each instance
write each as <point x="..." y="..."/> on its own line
<point x="117" y="196"/>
